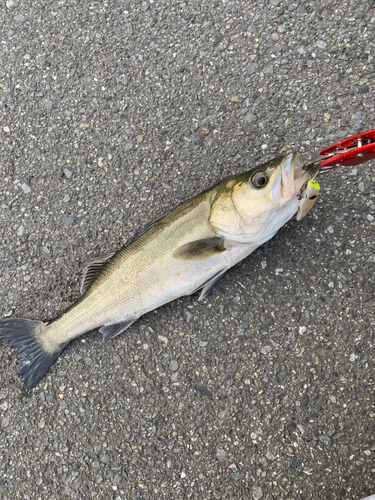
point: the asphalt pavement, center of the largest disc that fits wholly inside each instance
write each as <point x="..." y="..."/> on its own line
<point x="112" y="112"/>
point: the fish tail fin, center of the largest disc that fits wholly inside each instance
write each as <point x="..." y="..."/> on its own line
<point x="34" y="360"/>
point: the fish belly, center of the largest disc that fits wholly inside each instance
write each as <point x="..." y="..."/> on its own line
<point x="130" y="294"/>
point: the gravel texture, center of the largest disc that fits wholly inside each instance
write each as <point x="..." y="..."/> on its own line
<point x="111" y="112"/>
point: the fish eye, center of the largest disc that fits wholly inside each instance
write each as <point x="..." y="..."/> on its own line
<point x="259" y="179"/>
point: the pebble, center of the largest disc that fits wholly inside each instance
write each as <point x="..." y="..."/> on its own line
<point x="187" y="315"/>
<point x="291" y="426"/>
<point x="326" y="440"/>
<point x="4" y="406"/>
<point x="173" y="365"/>
<point x="67" y="173"/>
<point x="250" y="118"/>
<point x="305" y="400"/>
<point x="66" y="198"/>
<point x="266" y="349"/>
<point x="257" y="492"/>
<point x="47" y="103"/>
<point x="68" y="221"/>
<point x="21" y="231"/>
<point x="252" y="28"/>
<point x="221" y="455"/>
<point x="217" y="39"/>
<point x="5" y="422"/>
<point x="202" y="390"/>
<point x="117" y="359"/>
<point x="342" y="278"/>
<point x="252" y="68"/>
<point x="25" y="188"/>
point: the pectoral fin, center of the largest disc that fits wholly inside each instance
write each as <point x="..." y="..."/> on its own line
<point x="111" y="331"/>
<point x="91" y="269"/>
<point x="200" y="249"/>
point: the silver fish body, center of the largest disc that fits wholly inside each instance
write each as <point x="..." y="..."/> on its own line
<point x="187" y="250"/>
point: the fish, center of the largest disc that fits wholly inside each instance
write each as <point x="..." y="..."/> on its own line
<point x="187" y="250"/>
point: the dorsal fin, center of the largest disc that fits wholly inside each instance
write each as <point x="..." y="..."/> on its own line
<point x="91" y="268"/>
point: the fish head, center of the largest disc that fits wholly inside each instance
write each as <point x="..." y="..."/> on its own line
<point x="252" y="206"/>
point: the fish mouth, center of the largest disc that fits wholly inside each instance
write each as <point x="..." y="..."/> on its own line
<point x="294" y="175"/>
<point x="292" y="178"/>
<point x="289" y="176"/>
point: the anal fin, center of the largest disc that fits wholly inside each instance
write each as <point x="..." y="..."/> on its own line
<point x="111" y="331"/>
